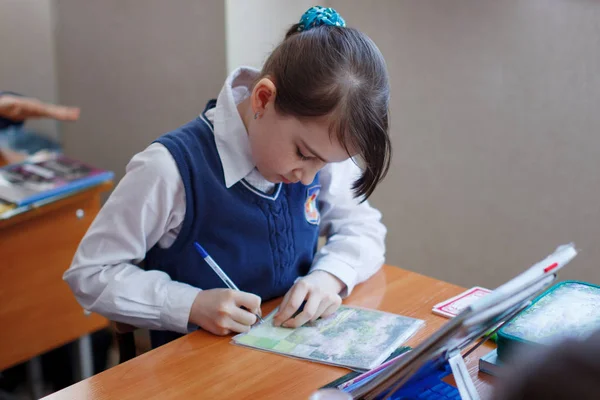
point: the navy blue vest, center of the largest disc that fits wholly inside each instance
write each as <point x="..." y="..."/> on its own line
<point x="263" y="242"/>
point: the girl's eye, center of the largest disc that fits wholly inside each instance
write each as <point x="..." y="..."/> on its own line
<point x="301" y="156"/>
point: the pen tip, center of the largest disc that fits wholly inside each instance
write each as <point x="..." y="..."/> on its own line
<point x="201" y="250"/>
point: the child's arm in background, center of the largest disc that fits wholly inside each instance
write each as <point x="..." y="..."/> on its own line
<point x="146" y="204"/>
<point x="15" y="109"/>
<point x="354" y="251"/>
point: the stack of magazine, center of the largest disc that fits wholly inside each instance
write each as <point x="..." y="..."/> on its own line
<point x="43" y="178"/>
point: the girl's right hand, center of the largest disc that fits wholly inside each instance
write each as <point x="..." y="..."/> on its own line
<point x="219" y="311"/>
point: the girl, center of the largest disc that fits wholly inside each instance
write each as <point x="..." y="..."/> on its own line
<point x="254" y="179"/>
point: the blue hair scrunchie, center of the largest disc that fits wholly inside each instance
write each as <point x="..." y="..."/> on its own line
<point x="318" y="15"/>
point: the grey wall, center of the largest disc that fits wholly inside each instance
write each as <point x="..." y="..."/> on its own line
<point x="495" y="128"/>
<point x="137" y="69"/>
<point x="255" y="27"/>
<point x="27" y="62"/>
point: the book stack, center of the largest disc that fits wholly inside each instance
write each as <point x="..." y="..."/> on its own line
<point x="43" y="178"/>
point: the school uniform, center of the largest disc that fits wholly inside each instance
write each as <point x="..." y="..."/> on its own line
<point x="199" y="183"/>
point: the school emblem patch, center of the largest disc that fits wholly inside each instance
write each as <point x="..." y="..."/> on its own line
<point x="311" y="212"/>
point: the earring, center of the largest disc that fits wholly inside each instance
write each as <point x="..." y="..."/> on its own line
<point x="256" y="114"/>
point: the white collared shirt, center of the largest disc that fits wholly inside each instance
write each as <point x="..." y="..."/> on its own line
<point x="147" y="208"/>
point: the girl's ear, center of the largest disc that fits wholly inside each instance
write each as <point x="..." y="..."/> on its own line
<point x="264" y="93"/>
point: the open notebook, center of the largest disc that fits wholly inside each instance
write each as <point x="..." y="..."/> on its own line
<point x="353" y="337"/>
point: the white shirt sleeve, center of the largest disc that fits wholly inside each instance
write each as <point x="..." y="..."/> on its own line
<point x="355" y="247"/>
<point x="146" y="208"/>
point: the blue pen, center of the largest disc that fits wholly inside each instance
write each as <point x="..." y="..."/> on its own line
<point x="220" y="272"/>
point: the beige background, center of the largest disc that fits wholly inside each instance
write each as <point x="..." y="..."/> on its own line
<point x="255" y="27"/>
<point x="494" y="111"/>
<point x="27" y="56"/>
<point x="137" y="68"/>
<point x="495" y="130"/>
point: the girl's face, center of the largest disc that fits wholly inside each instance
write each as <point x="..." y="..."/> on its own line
<point x="287" y="149"/>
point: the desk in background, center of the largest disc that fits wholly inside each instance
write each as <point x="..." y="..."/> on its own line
<point x="204" y="366"/>
<point x="38" y="311"/>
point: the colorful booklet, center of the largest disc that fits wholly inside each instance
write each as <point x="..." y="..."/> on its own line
<point x="353" y="337"/>
<point x="47" y="175"/>
<point x="453" y="306"/>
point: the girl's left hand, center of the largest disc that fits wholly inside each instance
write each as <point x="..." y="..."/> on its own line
<point x="321" y="291"/>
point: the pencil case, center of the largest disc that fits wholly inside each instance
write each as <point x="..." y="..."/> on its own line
<point x="569" y="309"/>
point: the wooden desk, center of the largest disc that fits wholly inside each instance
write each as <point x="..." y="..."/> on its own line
<point x="38" y="311"/>
<point x="204" y="366"/>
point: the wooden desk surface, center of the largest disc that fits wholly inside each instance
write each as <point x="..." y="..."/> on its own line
<point x="201" y="365"/>
<point x="38" y="311"/>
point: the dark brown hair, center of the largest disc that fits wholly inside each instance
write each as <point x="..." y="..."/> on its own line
<point x="339" y="71"/>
